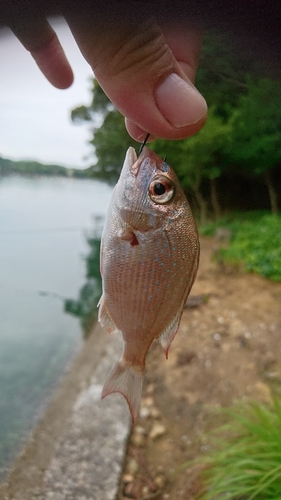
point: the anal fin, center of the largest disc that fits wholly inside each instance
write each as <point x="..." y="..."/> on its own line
<point x="169" y="333"/>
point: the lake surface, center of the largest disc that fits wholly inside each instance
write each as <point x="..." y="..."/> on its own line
<point x="43" y="227"/>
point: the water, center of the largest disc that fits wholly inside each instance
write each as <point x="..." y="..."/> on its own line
<point x="43" y="222"/>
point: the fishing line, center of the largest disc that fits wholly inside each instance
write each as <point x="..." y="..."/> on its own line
<point x="39" y="230"/>
<point x="144" y="143"/>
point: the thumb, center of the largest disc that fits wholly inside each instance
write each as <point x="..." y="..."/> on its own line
<point x="140" y="73"/>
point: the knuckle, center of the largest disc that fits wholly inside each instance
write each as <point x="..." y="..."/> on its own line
<point x="140" y="51"/>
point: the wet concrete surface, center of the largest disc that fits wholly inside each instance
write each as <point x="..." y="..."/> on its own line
<point x="77" y="450"/>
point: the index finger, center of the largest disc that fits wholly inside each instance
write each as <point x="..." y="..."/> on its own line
<point x="39" y="38"/>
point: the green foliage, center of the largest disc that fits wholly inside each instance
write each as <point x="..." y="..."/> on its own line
<point x="81" y="114"/>
<point x="258" y="247"/>
<point x="200" y="156"/>
<point x="110" y="139"/>
<point x="110" y="144"/>
<point x="246" y="461"/>
<point x="85" y="307"/>
<point x="242" y="136"/>
<point x="100" y="104"/>
<point x="232" y="221"/>
<point x="222" y="72"/>
<point x="256" y="127"/>
<point x="255" y="242"/>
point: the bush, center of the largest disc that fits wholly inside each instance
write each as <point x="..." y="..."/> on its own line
<point x="255" y="242"/>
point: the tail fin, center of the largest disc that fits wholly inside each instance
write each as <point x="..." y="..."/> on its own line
<point x="127" y="380"/>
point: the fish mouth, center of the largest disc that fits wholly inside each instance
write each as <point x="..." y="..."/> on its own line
<point x="148" y="160"/>
<point x="136" y="162"/>
<point x="133" y="163"/>
<point x="136" y="167"/>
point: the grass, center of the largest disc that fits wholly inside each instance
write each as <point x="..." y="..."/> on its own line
<point x="255" y="242"/>
<point x="245" y="463"/>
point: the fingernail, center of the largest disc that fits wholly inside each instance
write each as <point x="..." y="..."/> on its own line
<point x="179" y="102"/>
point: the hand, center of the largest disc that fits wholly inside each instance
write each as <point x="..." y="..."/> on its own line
<point x="146" y="66"/>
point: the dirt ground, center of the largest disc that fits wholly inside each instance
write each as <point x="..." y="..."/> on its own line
<point x="227" y="349"/>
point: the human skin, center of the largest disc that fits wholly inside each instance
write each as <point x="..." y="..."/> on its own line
<point x="146" y="66"/>
<point x="145" y="53"/>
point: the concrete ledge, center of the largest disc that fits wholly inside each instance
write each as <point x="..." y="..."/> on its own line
<point x="77" y="450"/>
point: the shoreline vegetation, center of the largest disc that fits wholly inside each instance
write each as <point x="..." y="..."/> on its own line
<point x="34" y="168"/>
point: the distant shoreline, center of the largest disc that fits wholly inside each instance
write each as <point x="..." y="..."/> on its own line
<point x="35" y="168"/>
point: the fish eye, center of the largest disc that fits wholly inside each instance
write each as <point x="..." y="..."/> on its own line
<point x="161" y="190"/>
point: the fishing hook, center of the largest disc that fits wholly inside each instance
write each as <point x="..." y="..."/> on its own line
<point x="144" y="143"/>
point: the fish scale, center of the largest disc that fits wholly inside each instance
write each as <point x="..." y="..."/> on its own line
<point x="149" y="260"/>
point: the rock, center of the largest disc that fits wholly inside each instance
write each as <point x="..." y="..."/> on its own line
<point x="223" y="234"/>
<point x="160" y="481"/>
<point x="157" y="430"/>
<point x="132" y="467"/>
<point x="155" y="413"/>
<point x="133" y="489"/>
<point x="148" y="401"/>
<point x="150" y="388"/>
<point x="128" y="478"/>
<point x="139" y="436"/>
<point x="148" y="409"/>
<point x="185" y="357"/>
<point x="144" y="412"/>
<point x="196" y="301"/>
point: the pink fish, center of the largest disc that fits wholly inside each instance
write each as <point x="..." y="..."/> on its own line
<point x="149" y="260"/>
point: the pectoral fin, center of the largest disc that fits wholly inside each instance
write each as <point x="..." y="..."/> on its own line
<point x="104" y="317"/>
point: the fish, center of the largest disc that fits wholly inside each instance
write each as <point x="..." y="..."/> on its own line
<point x="149" y="259"/>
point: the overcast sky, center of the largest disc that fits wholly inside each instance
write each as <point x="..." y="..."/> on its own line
<point x="34" y="116"/>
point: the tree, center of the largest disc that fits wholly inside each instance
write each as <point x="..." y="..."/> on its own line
<point x="199" y="158"/>
<point x="223" y="70"/>
<point x="110" y="143"/>
<point x="85" y="307"/>
<point x="242" y="131"/>
<point x="221" y="78"/>
<point x="100" y="105"/>
<point x="256" y="133"/>
<point x="110" y="139"/>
